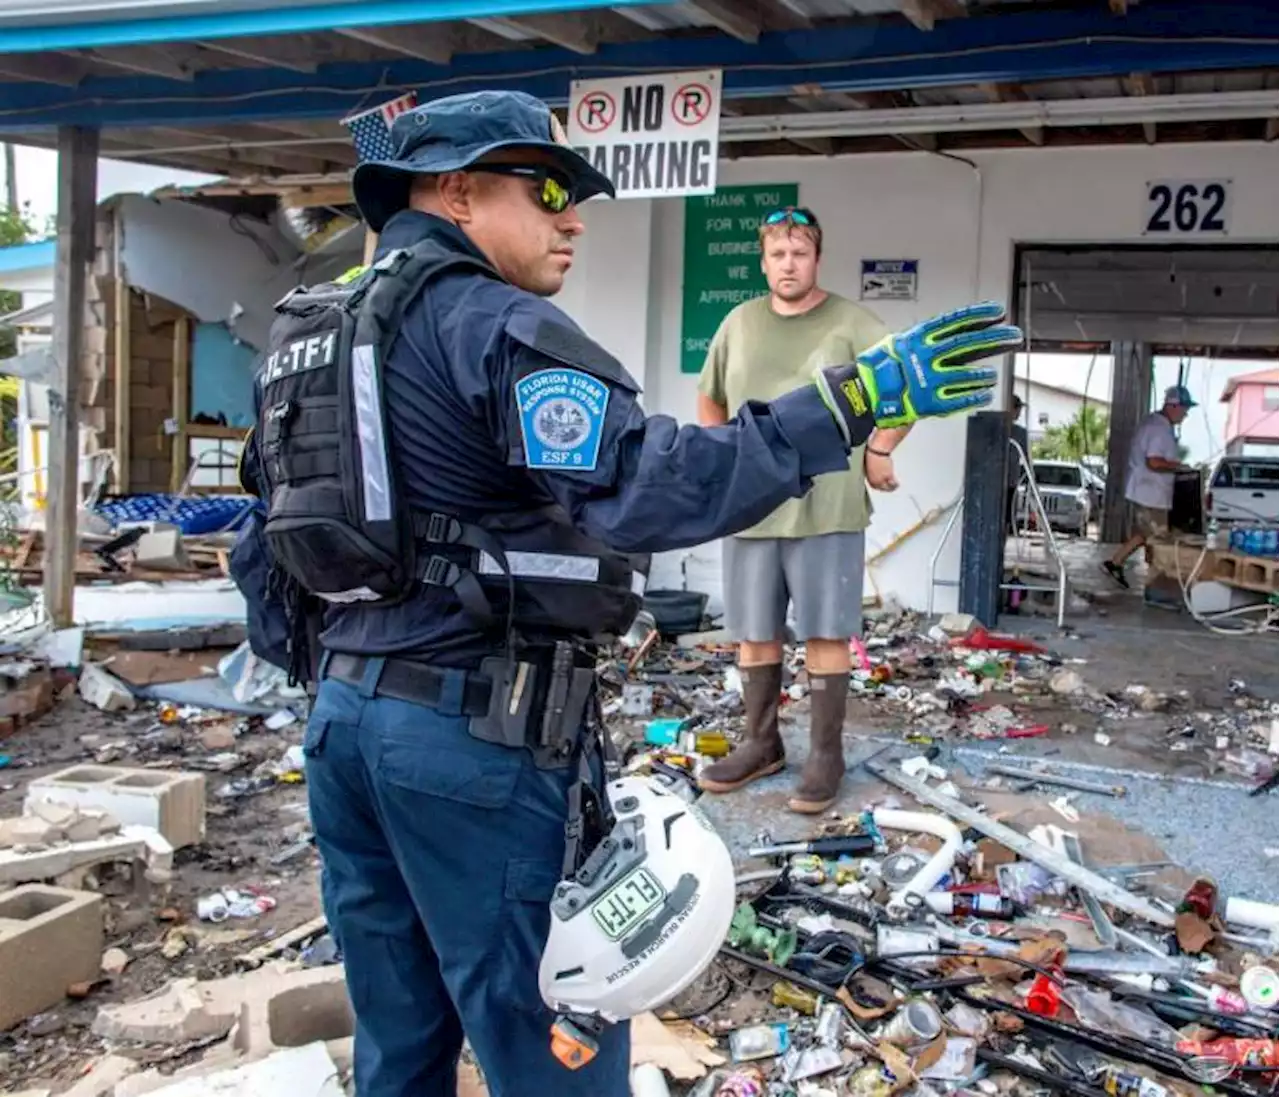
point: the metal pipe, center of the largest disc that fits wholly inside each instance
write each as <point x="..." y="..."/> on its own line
<point x="1055" y="779"/>
<point x="969" y="117"/>
<point x="910" y="897"/>
<point x="1020" y="843"/>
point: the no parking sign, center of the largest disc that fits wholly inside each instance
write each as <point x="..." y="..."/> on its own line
<point x="654" y="136"/>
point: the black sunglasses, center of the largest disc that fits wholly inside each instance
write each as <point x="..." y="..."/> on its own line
<point x="555" y="192"/>
<point x="795" y="214"/>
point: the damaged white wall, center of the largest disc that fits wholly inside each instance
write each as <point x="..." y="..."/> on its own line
<point x="222" y="268"/>
<point x="961" y="223"/>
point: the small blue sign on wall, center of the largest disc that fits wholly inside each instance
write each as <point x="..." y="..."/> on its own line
<point x="890" y="279"/>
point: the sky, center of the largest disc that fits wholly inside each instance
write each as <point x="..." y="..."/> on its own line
<point x="1201" y="431"/>
<point x="37" y="173"/>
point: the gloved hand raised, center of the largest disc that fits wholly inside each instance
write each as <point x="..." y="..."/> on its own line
<point x="919" y="373"/>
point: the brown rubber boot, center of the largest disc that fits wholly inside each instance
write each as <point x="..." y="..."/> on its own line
<point x="820" y="779"/>
<point x="761" y="752"/>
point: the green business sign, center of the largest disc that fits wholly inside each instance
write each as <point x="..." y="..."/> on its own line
<point x="722" y="259"/>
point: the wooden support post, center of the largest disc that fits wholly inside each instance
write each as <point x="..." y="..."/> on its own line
<point x="124" y="363"/>
<point x="77" y="191"/>
<point x="181" y="401"/>
<point x="370" y="245"/>
<point x="1130" y="402"/>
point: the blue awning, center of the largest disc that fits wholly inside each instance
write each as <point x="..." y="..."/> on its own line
<point x="27" y="256"/>
<point x="121" y="23"/>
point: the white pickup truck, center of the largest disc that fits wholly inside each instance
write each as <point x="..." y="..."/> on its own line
<point x="1244" y="491"/>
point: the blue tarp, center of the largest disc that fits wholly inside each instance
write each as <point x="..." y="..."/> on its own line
<point x="192" y="514"/>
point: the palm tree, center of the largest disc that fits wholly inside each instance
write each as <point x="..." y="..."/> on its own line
<point x="1085" y="436"/>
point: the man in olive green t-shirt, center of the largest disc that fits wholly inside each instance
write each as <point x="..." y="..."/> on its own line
<point x="809" y="552"/>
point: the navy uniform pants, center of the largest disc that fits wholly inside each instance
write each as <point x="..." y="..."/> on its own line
<point x="440" y="855"/>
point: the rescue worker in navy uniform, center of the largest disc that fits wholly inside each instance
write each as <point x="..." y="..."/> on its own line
<point x="441" y="843"/>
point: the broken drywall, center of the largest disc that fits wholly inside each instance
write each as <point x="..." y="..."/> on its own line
<point x="221" y="272"/>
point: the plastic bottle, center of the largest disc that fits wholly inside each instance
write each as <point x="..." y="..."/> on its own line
<point x="1272" y="543"/>
<point x="976" y="905"/>
<point x="1211" y="536"/>
<point x="1120" y="1083"/>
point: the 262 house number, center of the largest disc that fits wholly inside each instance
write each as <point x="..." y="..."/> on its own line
<point x="1179" y="206"/>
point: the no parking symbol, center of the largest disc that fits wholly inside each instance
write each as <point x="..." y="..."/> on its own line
<point x="654" y="136"/>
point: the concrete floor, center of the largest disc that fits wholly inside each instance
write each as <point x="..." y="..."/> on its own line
<point x="1177" y="798"/>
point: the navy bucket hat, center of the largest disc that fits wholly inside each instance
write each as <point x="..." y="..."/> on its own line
<point x="452" y="133"/>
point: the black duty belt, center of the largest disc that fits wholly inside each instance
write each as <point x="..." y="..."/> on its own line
<point x="417" y="683"/>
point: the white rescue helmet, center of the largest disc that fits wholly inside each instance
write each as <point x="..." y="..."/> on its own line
<point x="647" y="912"/>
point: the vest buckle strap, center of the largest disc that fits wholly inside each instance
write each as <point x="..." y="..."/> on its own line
<point x="439" y="571"/>
<point x="443" y="528"/>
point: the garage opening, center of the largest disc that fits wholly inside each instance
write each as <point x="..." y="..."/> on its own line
<point x="1112" y="329"/>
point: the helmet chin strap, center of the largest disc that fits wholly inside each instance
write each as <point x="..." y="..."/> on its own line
<point x="591" y="817"/>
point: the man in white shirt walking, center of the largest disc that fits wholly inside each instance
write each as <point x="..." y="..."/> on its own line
<point x="1153" y="467"/>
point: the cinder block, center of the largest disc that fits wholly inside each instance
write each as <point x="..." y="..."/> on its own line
<point x="184" y="1010"/>
<point x="285" y="1073"/>
<point x="162" y="549"/>
<point x="152" y="344"/>
<point x="266" y="1009"/>
<point x="294" y="1009"/>
<point x="49" y="938"/>
<point x="170" y="801"/>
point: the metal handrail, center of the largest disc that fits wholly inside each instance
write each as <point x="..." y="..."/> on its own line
<point x="956" y="508"/>
<point x="1050" y="542"/>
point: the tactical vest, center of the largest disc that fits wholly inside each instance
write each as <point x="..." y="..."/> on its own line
<point x="335" y="520"/>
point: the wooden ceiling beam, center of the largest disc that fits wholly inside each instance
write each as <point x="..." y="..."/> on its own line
<point x="253" y="134"/>
<point x="172" y="62"/>
<point x="775" y="15"/>
<point x="44" y="68"/>
<point x="1012" y="93"/>
<point x="206" y="145"/>
<point x="740" y="19"/>
<point x="578" y="34"/>
<point x="1142" y="83"/>
<point x="209" y="163"/>
<point x="430" y="42"/>
<point x="815" y="97"/>
<point x="819" y="146"/>
<point x="924" y="13"/>
<point x="285" y="51"/>
<point x="304" y="127"/>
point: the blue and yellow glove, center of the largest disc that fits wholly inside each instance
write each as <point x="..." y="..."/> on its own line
<point x="919" y="373"/>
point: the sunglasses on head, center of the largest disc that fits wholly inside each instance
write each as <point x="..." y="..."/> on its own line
<point x="555" y="189"/>
<point x="795" y="214"/>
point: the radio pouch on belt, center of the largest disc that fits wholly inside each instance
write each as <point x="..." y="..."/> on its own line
<point x="548" y="711"/>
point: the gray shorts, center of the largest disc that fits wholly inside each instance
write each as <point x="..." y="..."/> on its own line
<point x="820" y="576"/>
